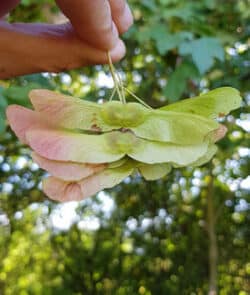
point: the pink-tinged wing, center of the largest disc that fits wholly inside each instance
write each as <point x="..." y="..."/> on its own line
<point x="68" y="171"/>
<point x="67" y="111"/>
<point x="22" y="119"/>
<point x="67" y="146"/>
<point x="63" y="191"/>
<point x="219" y="133"/>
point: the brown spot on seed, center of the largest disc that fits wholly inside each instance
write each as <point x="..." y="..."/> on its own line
<point x="96" y="128"/>
<point x="221" y="115"/>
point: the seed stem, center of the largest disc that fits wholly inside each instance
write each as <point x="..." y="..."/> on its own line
<point x="119" y="88"/>
<point x="136" y="97"/>
<point x="116" y="80"/>
<point x="112" y="94"/>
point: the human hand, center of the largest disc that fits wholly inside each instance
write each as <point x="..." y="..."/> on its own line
<point x="93" y="30"/>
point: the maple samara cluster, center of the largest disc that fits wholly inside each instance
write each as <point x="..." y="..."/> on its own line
<point x="87" y="146"/>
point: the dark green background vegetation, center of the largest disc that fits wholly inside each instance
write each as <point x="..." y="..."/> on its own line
<point x="185" y="234"/>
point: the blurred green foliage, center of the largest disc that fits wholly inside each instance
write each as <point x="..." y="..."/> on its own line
<point x="157" y="237"/>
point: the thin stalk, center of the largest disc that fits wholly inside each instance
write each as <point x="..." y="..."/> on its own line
<point x="122" y="88"/>
<point x="112" y="94"/>
<point x="136" y="97"/>
<point x="119" y="88"/>
<point x="117" y="85"/>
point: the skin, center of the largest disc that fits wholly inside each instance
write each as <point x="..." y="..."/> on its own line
<point x="93" y="29"/>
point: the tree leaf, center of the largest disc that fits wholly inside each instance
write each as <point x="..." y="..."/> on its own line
<point x="2" y="123"/>
<point x="3" y="105"/>
<point x="185" y="11"/>
<point x="177" y="82"/>
<point x="150" y="4"/>
<point x="19" y="94"/>
<point x="203" y="52"/>
<point x="167" y="2"/>
<point x="155" y="32"/>
<point x="168" y="41"/>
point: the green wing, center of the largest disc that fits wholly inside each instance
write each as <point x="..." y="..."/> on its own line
<point x="152" y="152"/>
<point x="154" y="171"/>
<point x="212" y="149"/>
<point x="118" y="163"/>
<point x="212" y="104"/>
<point x="113" y="176"/>
<point x="148" y="171"/>
<point x="179" y="128"/>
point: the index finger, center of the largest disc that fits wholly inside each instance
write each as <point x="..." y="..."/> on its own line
<point x="92" y="20"/>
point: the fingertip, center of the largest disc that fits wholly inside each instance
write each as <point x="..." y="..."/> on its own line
<point x="118" y="52"/>
<point x="126" y="20"/>
<point x="121" y="14"/>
